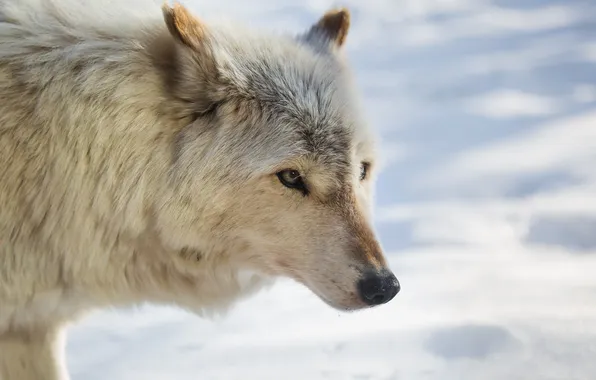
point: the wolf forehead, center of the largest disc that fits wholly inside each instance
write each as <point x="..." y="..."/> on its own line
<point x="291" y="96"/>
<point x="298" y="89"/>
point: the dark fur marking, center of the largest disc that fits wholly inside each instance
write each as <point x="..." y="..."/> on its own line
<point x="191" y="254"/>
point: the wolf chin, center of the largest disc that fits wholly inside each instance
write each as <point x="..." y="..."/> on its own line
<point x="156" y="158"/>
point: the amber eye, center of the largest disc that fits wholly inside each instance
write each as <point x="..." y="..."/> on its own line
<point x="364" y="166"/>
<point x="292" y="179"/>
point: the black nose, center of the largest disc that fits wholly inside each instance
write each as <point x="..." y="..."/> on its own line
<point x="377" y="288"/>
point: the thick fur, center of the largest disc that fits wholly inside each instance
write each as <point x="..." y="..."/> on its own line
<point x="140" y="155"/>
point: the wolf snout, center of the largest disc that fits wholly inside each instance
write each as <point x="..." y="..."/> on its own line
<point x="378" y="287"/>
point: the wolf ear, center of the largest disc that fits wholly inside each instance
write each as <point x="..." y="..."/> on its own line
<point x="184" y="26"/>
<point x="331" y="28"/>
<point x="190" y="66"/>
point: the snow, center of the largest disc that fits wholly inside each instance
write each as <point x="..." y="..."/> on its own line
<point x="486" y="206"/>
<point x="512" y="103"/>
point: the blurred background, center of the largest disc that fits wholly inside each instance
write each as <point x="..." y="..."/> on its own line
<point x="486" y="206"/>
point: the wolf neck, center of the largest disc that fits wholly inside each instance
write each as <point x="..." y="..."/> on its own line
<point x="102" y="117"/>
<point x="135" y="120"/>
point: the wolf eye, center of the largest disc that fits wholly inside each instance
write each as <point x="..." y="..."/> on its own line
<point x="292" y="179"/>
<point x="364" y="166"/>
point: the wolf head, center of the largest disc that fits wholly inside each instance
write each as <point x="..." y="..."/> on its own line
<point x="276" y="172"/>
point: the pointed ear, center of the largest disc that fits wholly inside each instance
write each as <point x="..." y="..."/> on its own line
<point x="184" y="26"/>
<point x="333" y="27"/>
<point x="188" y="62"/>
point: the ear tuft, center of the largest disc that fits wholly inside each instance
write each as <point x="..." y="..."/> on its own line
<point x="335" y="25"/>
<point x="183" y="25"/>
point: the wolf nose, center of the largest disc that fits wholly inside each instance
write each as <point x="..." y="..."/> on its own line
<point x="377" y="288"/>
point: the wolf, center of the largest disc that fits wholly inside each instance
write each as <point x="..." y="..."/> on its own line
<point x="154" y="157"/>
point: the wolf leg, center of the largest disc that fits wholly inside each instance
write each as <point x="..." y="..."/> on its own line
<point x="33" y="355"/>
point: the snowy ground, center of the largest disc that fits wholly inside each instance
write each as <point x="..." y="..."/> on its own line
<point x="487" y="206"/>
